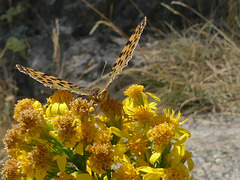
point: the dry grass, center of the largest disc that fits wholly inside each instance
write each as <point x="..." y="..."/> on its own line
<point x="107" y="21"/>
<point x="196" y="72"/>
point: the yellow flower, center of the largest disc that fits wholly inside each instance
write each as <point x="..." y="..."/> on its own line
<point x="175" y="167"/>
<point x="137" y="97"/>
<point x="29" y="113"/>
<point x="187" y="158"/>
<point x="180" y="134"/>
<point x="40" y="158"/>
<point x="61" y="162"/>
<point x="104" y="136"/>
<point x="38" y="106"/>
<point x="179" y="155"/>
<point x="178" y="172"/>
<point x="101" y="157"/>
<point x="141" y="114"/>
<point x="25" y="164"/>
<point x="161" y="135"/>
<point x="113" y="110"/>
<point x="137" y="106"/>
<point x="30" y="118"/>
<point x="159" y="119"/>
<point x="129" y="126"/>
<point x="127" y="170"/>
<point x="60" y="97"/>
<point x="134" y="142"/>
<point x="81" y="107"/>
<point x="56" y="109"/>
<point x="14" y="140"/>
<point x="37" y="162"/>
<point x="58" y="103"/>
<point x="72" y="139"/>
<point x="66" y="126"/>
<point x="137" y="144"/>
<point x="21" y="105"/>
<point x="86" y="131"/>
<point x="134" y="91"/>
<point x="150" y="173"/>
<point x="11" y="170"/>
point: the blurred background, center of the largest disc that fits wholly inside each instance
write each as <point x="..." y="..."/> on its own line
<point x="188" y="56"/>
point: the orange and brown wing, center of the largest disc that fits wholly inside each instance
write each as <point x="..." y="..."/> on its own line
<point x="52" y="81"/>
<point x="126" y="53"/>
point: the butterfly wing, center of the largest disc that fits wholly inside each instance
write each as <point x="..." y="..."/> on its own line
<point x="126" y="53"/>
<point x="52" y="81"/>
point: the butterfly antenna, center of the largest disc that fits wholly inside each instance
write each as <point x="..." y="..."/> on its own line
<point x="104" y="67"/>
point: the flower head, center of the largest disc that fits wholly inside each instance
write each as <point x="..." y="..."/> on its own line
<point x="11" y="170"/>
<point x="87" y="131"/>
<point x="127" y="170"/>
<point x="21" y="105"/>
<point x="60" y="97"/>
<point x="58" y="103"/>
<point x="40" y="157"/>
<point x="142" y="114"/>
<point x="74" y="139"/>
<point x="101" y="157"/>
<point x="178" y="172"/>
<point x="104" y="136"/>
<point x="29" y="118"/>
<point x="134" y="91"/>
<point x="14" y="140"/>
<point x="161" y="135"/>
<point x="66" y="128"/>
<point x="36" y="162"/>
<point x="81" y="107"/>
<point x="113" y="110"/>
<point x="137" y="144"/>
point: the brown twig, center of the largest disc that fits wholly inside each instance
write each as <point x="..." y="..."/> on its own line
<point x="120" y="32"/>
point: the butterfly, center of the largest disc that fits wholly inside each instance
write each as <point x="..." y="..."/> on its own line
<point x="95" y="94"/>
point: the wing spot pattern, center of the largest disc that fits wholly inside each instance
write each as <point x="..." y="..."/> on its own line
<point x="120" y="55"/>
<point x="129" y="42"/>
<point x="60" y="84"/>
<point x="49" y="82"/>
<point x="126" y="53"/>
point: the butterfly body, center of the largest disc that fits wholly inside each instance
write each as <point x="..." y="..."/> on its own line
<point x="95" y="94"/>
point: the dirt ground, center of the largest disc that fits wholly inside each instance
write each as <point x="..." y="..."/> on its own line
<point x="215" y="146"/>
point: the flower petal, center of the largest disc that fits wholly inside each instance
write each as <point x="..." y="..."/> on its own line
<point x="61" y="162"/>
<point x="153" y="96"/>
<point x="154" y="157"/>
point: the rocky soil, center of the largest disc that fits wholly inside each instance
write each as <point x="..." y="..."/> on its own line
<point x="215" y="146"/>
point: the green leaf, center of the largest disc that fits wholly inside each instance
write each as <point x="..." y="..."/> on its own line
<point x="16" y="45"/>
<point x="11" y="12"/>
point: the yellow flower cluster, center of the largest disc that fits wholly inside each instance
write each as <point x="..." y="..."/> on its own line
<point x="74" y="139"/>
